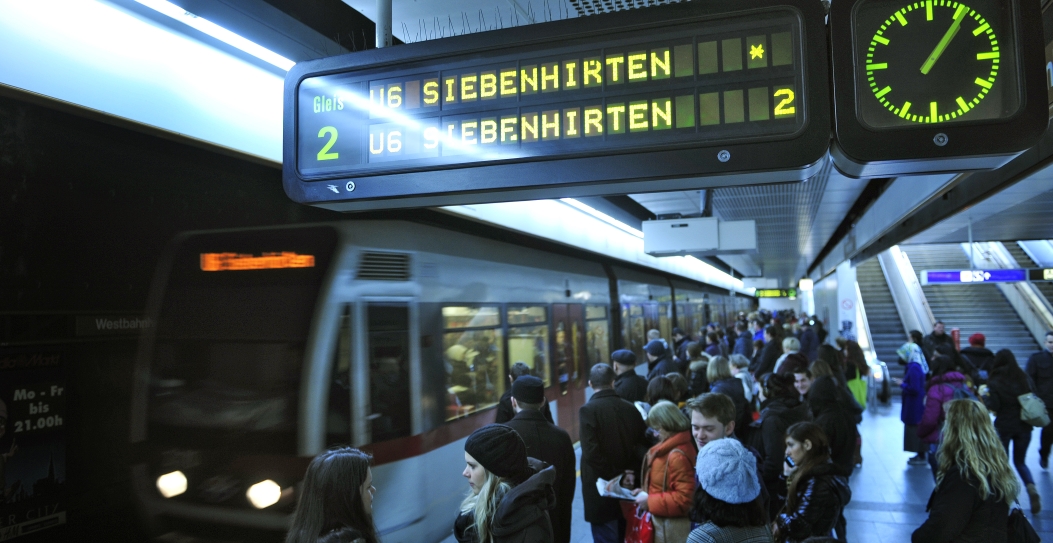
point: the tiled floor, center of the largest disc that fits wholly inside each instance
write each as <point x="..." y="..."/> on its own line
<point x="888" y="496"/>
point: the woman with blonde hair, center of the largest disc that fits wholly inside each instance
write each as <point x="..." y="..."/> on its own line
<point x="509" y="498"/>
<point x="974" y="482"/>
<point x="669" y="474"/>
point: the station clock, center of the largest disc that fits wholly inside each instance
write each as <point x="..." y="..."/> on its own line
<point x="926" y="85"/>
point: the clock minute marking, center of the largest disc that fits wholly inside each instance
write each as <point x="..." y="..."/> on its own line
<point x="946" y="40"/>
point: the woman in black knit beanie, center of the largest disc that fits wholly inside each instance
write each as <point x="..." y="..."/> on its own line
<point x="509" y="495"/>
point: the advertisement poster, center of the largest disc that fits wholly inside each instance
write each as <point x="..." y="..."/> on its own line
<point x="32" y="441"/>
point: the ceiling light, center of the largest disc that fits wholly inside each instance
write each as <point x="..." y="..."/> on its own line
<point x="171" y="484"/>
<point x="264" y="494"/>
<point x="222" y="34"/>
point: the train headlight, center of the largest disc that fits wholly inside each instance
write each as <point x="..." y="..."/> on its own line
<point x="171" y="484"/>
<point x="264" y="494"/>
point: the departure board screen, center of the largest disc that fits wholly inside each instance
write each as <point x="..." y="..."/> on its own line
<point x="736" y="78"/>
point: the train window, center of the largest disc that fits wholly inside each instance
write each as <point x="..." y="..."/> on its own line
<point x="593" y="312"/>
<point x="475" y="377"/>
<point x="665" y="321"/>
<point x="338" y="418"/>
<point x="454" y="317"/>
<point x="389" y="360"/>
<point x="528" y="339"/>
<point x="597" y="338"/>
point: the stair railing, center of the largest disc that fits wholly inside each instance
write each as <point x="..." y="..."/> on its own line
<point x="911" y="304"/>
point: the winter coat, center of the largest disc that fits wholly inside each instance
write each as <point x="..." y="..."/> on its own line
<point x="793" y="363"/>
<point x="1040" y="369"/>
<point x="1003" y="401"/>
<point x="766" y="363"/>
<point x="732" y="388"/>
<point x="669" y="476"/>
<point x="913" y="395"/>
<point x="940" y="391"/>
<point x="835" y="416"/>
<point x="713" y="349"/>
<point x="957" y="514"/>
<point x="697" y="383"/>
<point x="931" y="342"/>
<point x="630" y="386"/>
<point x="809" y="343"/>
<point x="521" y="516"/>
<point x="980" y="360"/>
<point x="777" y="414"/>
<point x="612" y="441"/>
<point x="711" y="533"/>
<point x="821" y="496"/>
<point x="744" y="345"/>
<point x="662" y="366"/>
<point x="552" y="445"/>
<point x="505" y="412"/>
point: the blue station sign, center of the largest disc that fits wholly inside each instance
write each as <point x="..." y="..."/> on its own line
<point x="938" y="277"/>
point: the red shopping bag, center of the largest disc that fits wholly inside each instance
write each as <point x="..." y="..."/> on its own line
<point x="638" y="525"/>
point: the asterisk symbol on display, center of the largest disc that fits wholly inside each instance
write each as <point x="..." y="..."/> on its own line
<point x="756" y="51"/>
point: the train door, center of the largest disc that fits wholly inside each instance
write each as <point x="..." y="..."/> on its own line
<point x="568" y="323"/>
<point x="387" y="380"/>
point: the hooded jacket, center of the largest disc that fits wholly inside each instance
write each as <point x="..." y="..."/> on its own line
<point x="777" y="414"/>
<point x="522" y="514"/>
<point x="941" y="390"/>
<point x="669" y="476"/>
<point x="821" y="496"/>
<point x="837" y="419"/>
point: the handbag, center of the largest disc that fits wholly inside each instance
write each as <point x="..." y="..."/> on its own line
<point x="858" y="386"/>
<point x="1033" y="410"/>
<point x="1018" y="529"/>
<point x="638" y="526"/>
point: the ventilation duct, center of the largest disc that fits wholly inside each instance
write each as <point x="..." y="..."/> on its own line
<point x="375" y="266"/>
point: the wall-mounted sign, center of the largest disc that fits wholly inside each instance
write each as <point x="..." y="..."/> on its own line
<point x="922" y="86"/>
<point x="597" y="105"/>
<point x="790" y="293"/>
<point x="933" y="277"/>
<point x="1041" y="274"/>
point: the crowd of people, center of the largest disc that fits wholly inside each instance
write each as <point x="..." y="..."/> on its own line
<point x="729" y="439"/>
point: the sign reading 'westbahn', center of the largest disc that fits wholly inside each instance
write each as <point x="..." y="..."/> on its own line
<point x="596" y="105"/>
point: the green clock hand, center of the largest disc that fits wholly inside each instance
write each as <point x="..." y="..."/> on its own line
<point x="946" y="40"/>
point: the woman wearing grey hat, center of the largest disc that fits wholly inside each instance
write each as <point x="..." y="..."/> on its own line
<point x="729" y="496"/>
<point x="510" y="495"/>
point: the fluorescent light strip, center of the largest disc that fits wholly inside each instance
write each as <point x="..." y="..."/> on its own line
<point x="602" y="216"/>
<point x="218" y="32"/>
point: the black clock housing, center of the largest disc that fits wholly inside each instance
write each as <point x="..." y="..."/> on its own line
<point x="883" y="89"/>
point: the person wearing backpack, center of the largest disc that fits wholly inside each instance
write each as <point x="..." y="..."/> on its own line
<point x="945" y="385"/>
<point x="1006" y="384"/>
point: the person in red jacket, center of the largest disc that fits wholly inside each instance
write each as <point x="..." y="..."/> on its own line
<point x="669" y="474"/>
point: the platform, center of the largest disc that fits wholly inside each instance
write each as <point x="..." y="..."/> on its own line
<point x="888" y="495"/>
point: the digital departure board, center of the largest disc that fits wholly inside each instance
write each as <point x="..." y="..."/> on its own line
<point x="649" y="99"/>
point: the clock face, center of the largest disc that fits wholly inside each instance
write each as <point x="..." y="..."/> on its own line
<point x="932" y="61"/>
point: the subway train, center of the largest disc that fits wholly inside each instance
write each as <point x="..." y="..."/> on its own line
<point x="272" y="345"/>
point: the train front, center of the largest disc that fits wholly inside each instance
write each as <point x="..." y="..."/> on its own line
<point x="218" y="382"/>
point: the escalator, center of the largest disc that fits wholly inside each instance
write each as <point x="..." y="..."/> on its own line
<point x="1024" y="261"/>
<point x="886" y="327"/>
<point x="970" y="308"/>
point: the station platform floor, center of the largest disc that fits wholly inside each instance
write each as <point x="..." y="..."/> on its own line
<point x="888" y="495"/>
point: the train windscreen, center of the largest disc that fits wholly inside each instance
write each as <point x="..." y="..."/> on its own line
<point x="231" y="331"/>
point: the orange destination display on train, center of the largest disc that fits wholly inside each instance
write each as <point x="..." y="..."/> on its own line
<point x="736" y="79"/>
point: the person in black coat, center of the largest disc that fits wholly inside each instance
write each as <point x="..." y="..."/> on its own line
<point x="550" y="444"/>
<point x="631" y="386"/>
<point x="979" y="358"/>
<point x="743" y="340"/>
<point x="659" y="358"/>
<point x="1040" y="370"/>
<point x="612" y="441"/>
<point x="832" y="412"/>
<point x="815" y="493"/>
<point x="971" y="501"/>
<point x="1006" y="384"/>
<point x="505" y="412"/>
<point x="511" y="494"/>
<point x="722" y="381"/>
<point x="781" y="408"/>
<point x="770" y="354"/>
